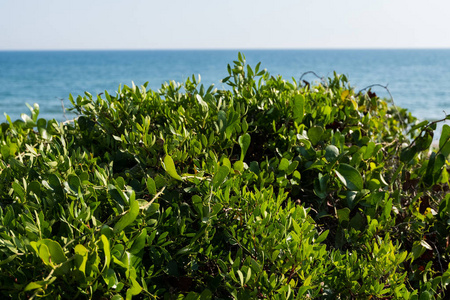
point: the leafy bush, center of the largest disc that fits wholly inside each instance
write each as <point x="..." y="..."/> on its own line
<point x="270" y="189"/>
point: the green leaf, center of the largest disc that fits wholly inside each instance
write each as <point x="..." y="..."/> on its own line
<point x="284" y="164"/>
<point x="307" y="281"/>
<point x="331" y="153"/>
<point x="345" y="94"/>
<point x="298" y="108"/>
<point x="238" y="166"/>
<point x="220" y="176"/>
<point x="373" y="184"/>
<point x="151" y="186"/>
<point x="50" y="252"/>
<point x="417" y="250"/>
<point x="434" y="168"/>
<point x="444" y="141"/>
<point x="315" y="134"/>
<point x="350" y="177"/>
<point x="296" y="177"/>
<point x="35" y="285"/>
<point x="106" y="249"/>
<point x="244" y="125"/>
<point x="351" y="197"/>
<point x="110" y="278"/>
<point x="322" y="236"/>
<point x="222" y="121"/>
<point x="169" y="166"/>
<point x="226" y="162"/>
<point x="17" y="165"/>
<point x="343" y="214"/>
<point x="420" y="125"/>
<point x="8" y="259"/>
<point x="44" y="254"/>
<point x="139" y="242"/>
<point x="426" y="295"/>
<point x="42" y="128"/>
<point x="216" y="209"/>
<point x="5" y="152"/>
<point x="202" y="103"/>
<point x="206" y="295"/>
<point x="29" y="123"/>
<point x="408" y="154"/>
<point x="129" y="217"/>
<point x="35" y="187"/>
<point x="39" y="284"/>
<point x="424" y="142"/>
<point x="292" y="167"/>
<point x="244" y="142"/>
<point x="369" y="149"/>
<point x="357" y="222"/>
<point x="74" y="182"/>
<point x="241" y="277"/>
<point x="135" y="288"/>
<point x="18" y="189"/>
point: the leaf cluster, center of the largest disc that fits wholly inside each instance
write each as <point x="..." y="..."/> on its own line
<point x="269" y="189"/>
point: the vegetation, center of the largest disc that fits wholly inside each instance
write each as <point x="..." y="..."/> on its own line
<point x="269" y="189"/>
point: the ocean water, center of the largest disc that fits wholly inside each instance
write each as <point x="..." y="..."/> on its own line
<point x="417" y="79"/>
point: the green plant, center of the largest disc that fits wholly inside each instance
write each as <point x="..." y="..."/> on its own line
<point x="270" y="189"/>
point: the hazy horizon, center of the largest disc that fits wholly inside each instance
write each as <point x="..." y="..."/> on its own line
<point x="226" y="49"/>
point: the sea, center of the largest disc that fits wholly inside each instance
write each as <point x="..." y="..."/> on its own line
<point x="417" y="79"/>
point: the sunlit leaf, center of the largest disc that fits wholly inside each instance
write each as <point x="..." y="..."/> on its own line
<point x="344" y="94"/>
<point x="322" y="236"/>
<point x="244" y="142"/>
<point x="315" y="134"/>
<point x="331" y="153"/>
<point x="169" y="166"/>
<point x="444" y="141"/>
<point x="151" y="186"/>
<point x="220" y="176"/>
<point x="350" y="177"/>
<point x="106" y="249"/>
<point x="298" y="108"/>
<point x="129" y="216"/>
<point x="284" y="164"/>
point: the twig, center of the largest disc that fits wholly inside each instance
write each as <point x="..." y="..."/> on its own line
<point x="154" y="198"/>
<point x="438" y="255"/>
<point x="424" y="128"/>
<point x="46" y="279"/>
<point x="310" y="72"/>
<point x="390" y="95"/>
<point x="63" y="108"/>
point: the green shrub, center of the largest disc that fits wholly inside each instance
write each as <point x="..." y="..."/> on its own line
<point x="270" y="189"/>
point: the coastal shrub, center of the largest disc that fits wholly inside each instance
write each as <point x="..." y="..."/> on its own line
<point x="267" y="189"/>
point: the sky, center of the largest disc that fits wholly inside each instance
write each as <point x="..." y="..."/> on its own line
<point x="225" y="24"/>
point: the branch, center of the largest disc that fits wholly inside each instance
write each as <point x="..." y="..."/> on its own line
<point x="310" y="72"/>
<point x="154" y="198"/>
<point x="424" y="128"/>
<point x="390" y="95"/>
<point x="63" y="108"/>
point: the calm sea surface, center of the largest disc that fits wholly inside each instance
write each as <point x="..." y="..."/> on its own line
<point x="417" y="79"/>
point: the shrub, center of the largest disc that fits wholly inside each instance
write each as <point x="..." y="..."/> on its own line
<point x="269" y="189"/>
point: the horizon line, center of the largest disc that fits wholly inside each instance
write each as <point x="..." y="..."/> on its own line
<point x="224" y="49"/>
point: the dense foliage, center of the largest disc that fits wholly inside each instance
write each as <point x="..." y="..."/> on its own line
<point x="268" y="189"/>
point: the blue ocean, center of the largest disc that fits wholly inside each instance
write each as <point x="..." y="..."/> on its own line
<point x="417" y="79"/>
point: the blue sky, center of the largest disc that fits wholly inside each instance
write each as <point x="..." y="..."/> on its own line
<point x="226" y="24"/>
